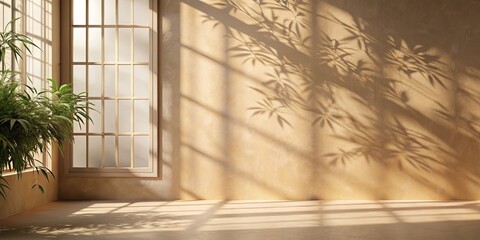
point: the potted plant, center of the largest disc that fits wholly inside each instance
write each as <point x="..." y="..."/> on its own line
<point x="31" y="119"/>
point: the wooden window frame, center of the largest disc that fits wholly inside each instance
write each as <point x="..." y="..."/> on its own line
<point x="23" y="9"/>
<point x="152" y="171"/>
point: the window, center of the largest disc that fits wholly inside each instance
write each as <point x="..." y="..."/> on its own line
<point x="113" y="59"/>
<point x="35" y="21"/>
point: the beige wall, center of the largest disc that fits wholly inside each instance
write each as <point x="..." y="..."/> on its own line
<point x="38" y="66"/>
<point x="22" y="197"/>
<point x="338" y="99"/>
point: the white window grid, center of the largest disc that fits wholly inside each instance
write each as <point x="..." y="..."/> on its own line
<point x="104" y="164"/>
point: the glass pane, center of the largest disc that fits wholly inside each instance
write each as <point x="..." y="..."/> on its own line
<point x="8" y="60"/>
<point x="142" y="41"/>
<point x="95" y="81"/>
<point x="110" y="45"/>
<point x="35" y="11"/>
<point x="109" y="12"/>
<point x="48" y="59"/>
<point x="94" y="45"/>
<point x="34" y="67"/>
<point x="141" y="12"/>
<point x="141" y="82"/>
<point x="79" y="82"/>
<point x="34" y="26"/>
<point x="109" y="154"/>
<point x="141" y="116"/>
<point x="36" y="82"/>
<point x="109" y="81"/>
<point x="48" y="34"/>
<point x="79" y="128"/>
<point x="94" y="151"/>
<point x="94" y="12"/>
<point x="80" y="151"/>
<point x="124" y="149"/>
<point x="109" y="116"/>
<point x="141" y="147"/>
<point x="124" y="46"/>
<point x="6" y="15"/>
<point x="79" y="13"/>
<point x="124" y="110"/>
<point x="79" y="46"/>
<point x="124" y="81"/>
<point x="96" y="115"/>
<point x="124" y="12"/>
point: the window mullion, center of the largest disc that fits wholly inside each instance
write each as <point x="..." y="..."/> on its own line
<point x="87" y="69"/>
<point x="102" y="163"/>
<point x="132" y="103"/>
<point x="117" y="58"/>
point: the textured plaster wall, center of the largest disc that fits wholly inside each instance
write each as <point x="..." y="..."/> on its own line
<point x="22" y="197"/>
<point x="344" y="99"/>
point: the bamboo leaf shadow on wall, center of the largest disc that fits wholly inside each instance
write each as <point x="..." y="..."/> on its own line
<point x="317" y="60"/>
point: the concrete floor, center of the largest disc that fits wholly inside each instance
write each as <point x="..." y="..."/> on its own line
<point x="231" y="220"/>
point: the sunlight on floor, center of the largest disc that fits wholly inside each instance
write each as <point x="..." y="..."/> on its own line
<point x="256" y="219"/>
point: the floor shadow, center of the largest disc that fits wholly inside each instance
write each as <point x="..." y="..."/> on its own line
<point x="247" y="219"/>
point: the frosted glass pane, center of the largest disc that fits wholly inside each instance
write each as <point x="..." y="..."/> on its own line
<point x="48" y="6"/>
<point x="79" y="82"/>
<point x="48" y="62"/>
<point x="8" y="59"/>
<point x="96" y="124"/>
<point x="142" y="48"/>
<point x="94" y="45"/>
<point x="124" y="11"/>
<point x="34" y="11"/>
<point x="141" y="12"/>
<point x="109" y="152"/>
<point x="79" y="44"/>
<point x="110" y="45"/>
<point x="125" y="41"/>
<point x="48" y="30"/>
<point x="94" y="151"/>
<point x="34" y="66"/>
<point x="79" y="12"/>
<point x="80" y="151"/>
<point x="18" y="4"/>
<point x="79" y="128"/>
<point x="94" y="12"/>
<point x="95" y="81"/>
<point x="141" y="116"/>
<point x="141" y="150"/>
<point x="109" y="116"/>
<point x="39" y="81"/>
<point x="124" y="151"/>
<point x="36" y="82"/>
<point x="141" y="82"/>
<point x="34" y="27"/>
<point x="109" y="12"/>
<point x="109" y="81"/>
<point x="79" y="85"/>
<point x="6" y="16"/>
<point x="124" y="108"/>
<point x="124" y="81"/>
